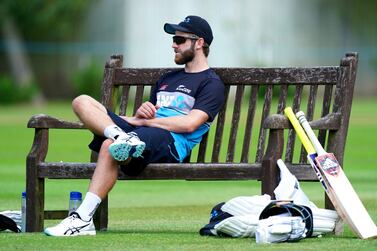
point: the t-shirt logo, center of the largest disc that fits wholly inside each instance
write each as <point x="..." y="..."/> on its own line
<point x="163" y="87"/>
<point x="183" y="88"/>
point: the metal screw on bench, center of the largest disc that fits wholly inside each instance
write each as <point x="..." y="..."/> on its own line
<point x="75" y="199"/>
<point x="23" y="211"/>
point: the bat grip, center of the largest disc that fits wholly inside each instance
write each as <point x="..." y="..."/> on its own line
<point x="309" y="131"/>
<point x="300" y="132"/>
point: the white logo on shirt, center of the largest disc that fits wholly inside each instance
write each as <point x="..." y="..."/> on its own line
<point x="175" y="100"/>
<point x="165" y="100"/>
<point x="183" y="88"/>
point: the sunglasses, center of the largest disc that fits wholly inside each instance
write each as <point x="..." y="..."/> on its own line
<point x="182" y="39"/>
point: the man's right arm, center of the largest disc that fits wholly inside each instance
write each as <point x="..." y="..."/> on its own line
<point x="178" y="124"/>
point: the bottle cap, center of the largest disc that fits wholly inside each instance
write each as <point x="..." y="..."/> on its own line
<point x="75" y="195"/>
<point x="24" y="194"/>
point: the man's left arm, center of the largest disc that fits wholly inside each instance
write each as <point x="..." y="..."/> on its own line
<point x="178" y="124"/>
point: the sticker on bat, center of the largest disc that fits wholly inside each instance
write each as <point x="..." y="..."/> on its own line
<point x="328" y="163"/>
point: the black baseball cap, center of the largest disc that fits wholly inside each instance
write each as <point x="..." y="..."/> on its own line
<point x="8" y="223"/>
<point x="192" y="24"/>
<point x="217" y="215"/>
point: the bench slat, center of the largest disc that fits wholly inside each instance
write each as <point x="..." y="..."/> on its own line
<point x="220" y="128"/>
<point x="138" y="97"/>
<point x="249" y="124"/>
<point x="292" y="134"/>
<point x="282" y="99"/>
<point x="262" y="131"/>
<point x="209" y="171"/>
<point x="311" y="102"/>
<point x="124" y="100"/>
<point x="309" y="115"/>
<point x="203" y="148"/>
<point x="327" y="97"/>
<point x="202" y="171"/>
<point x="238" y="76"/>
<point x="234" y="125"/>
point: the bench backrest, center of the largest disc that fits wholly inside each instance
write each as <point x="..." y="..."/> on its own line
<point x="238" y="134"/>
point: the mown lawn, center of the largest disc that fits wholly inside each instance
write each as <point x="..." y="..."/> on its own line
<point x="165" y="215"/>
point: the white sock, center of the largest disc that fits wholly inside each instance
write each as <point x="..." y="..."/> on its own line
<point x="88" y="207"/>
<point x="112" y="132"/>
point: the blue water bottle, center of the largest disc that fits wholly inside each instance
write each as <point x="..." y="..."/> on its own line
<point x="75" y="199"/>
<point x="23" y="212"/>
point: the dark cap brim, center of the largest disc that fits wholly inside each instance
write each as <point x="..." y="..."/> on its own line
<point x="172" y="28"/>
<point x="217" y="215"/>
<point x="208" y="229"/>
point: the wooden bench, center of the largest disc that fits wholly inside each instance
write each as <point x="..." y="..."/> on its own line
<point x="237" y="146"/>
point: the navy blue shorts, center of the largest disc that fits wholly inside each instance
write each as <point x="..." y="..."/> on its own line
<point x="159" y="145"/>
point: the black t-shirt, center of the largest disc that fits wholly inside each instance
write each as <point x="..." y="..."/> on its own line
<point x="182" y="92"/>
<point x="178" y="92"/>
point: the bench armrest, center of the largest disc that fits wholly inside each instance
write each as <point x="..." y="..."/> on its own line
<point x="45" y="121"/>
<point x="42" y="123"/>
<point x="328" y="122"/>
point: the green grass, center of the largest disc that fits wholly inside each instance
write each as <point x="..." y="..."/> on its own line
<point x="165" y="215"/>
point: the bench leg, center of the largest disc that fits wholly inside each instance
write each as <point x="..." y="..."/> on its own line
<point x="101" y="216"/>
<point x="270" y="176"/>
<point x="35" y="186"/>
<point x="34" y="204"/>
<point x="270" y="171"/>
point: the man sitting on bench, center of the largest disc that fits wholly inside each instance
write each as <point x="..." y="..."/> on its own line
<point x="181" y="108"/>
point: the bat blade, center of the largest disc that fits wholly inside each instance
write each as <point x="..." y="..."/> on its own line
<point x="340" y="191"/>
<point x="311" y="159"/>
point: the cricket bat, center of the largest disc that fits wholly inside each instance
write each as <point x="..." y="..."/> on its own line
<point x="339" y="189"/>
<point x="306" y="143"/>
<point x="312" y="154"/>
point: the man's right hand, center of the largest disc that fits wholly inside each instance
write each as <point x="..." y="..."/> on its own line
<point x="146" y="111"/>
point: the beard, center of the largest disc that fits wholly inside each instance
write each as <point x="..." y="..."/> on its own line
<point x="185" y="56"/>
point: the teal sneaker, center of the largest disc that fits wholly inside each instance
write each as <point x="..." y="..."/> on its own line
<point x="127" y="145"/>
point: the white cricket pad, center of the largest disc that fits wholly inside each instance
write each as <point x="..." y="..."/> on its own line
<point x="280" y="228"/>
<point x="246" y="205"/>
<point x="238" y="226"/>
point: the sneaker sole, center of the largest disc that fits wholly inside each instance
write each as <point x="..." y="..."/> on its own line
<point x="122" y="151"/>
<point x="76" y="234"/>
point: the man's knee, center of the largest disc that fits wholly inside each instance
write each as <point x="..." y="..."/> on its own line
<point x="105" y="145"/>
<point x="80" y="102"/>
<point x="104" y="153"/>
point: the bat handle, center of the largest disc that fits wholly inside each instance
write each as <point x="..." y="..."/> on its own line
<point x="305" y="124"/>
